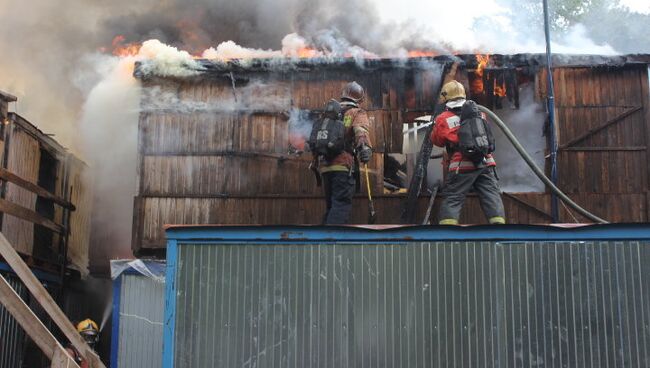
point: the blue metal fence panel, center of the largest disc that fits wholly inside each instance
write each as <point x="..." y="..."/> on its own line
<point x="12" y="336"/>
<point x="139" y="328"/>
<point x="312" y="301"/>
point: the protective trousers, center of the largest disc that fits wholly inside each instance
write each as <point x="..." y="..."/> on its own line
<point x="339" y="190"/>
<point x="458" y="184"/>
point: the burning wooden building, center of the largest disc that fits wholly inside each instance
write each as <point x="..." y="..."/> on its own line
<point x="219" y="146"/>
<point x="45" y="206"/>
<point x="44" y="201"/>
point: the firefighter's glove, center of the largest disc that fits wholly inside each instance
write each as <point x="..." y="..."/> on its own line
<point x="364" y="153"/>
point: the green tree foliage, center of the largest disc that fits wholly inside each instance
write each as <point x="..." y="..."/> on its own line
<point x="606" y="21"/>
<point x="562" y="13"/>
<point x="627" y="32"/>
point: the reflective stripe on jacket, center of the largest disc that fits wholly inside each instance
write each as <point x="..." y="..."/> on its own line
<point x="445" y="134"/>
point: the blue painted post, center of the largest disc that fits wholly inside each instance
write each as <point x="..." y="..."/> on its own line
<point x="170" y="305"/>
<point x="115" y="331"/>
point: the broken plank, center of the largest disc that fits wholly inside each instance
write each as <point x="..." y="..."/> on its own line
<point x="41" y="192"/>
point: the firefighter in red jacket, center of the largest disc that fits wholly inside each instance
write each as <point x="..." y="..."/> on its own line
<point x="339" y="179"/>
<point x="463" y="174"/>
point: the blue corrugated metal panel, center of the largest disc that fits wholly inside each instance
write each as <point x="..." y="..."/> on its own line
<point x="12" y="336"/>
<point x="303" y="234"/>
<point x="139" y="316"/>
<point x="301" y="302"/>
<point x="115" y="321"/>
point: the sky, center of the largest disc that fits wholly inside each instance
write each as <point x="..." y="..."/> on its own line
<point x="641" y="6"/>
<point x="437" y="22"/>
<point x="414" y="9"/>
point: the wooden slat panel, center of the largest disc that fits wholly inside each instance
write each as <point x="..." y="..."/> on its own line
<point x="226" y="175"/>
<point x="645" y="129"/>
<point x="15" y="210"/>
<point x="601" y="108"/>
<point x="378" y="120"/>
<point x="23" y="160"/>
<point x="197" y="132"/>
<point x="269" y="211"/>
<point x="232" y="175"/>
<point x="80" y="184"/>
<point x="15" y="179"/>
<point x="161" y="211"/>
<point x="601" y="172"/>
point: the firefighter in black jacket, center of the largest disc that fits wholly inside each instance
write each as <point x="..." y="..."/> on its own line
<point x="338" y="173"/>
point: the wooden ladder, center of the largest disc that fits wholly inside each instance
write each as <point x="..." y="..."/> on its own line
<point x="30" y="322"/>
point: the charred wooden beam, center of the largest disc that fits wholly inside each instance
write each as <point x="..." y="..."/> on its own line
<point x="500" y="83"/>
<point x="409" y="214"/>
<point x="7" y="97"/>
<point x="219" y="69"/>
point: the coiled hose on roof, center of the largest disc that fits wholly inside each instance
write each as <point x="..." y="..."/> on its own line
<point x="537" y="170"/>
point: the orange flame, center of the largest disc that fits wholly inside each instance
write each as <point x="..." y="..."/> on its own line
<point x="421" y="53"/>
<point x="477" y="84"/>
<point x="307" y="53"/>
<point x="121" y="49"/>
<point x="499" y="90"/>
<point x="297" y="141"/>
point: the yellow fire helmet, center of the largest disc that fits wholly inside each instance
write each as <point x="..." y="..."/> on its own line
<point x="87" y="326"/>
<point x="452" y="91"/>
<point x="89" y="331"/>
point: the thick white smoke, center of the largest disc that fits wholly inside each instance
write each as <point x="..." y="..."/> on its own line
<point x="108" y="140"/>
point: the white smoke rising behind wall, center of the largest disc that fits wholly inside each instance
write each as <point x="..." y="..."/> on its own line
<point x="109" y="131"/>
<point x="255" y="95"/>
<point x="527" y="124"/>
<point x="108" y="141"/>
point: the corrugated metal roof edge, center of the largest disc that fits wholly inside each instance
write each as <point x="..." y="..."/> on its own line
<point x="389" y="233"/>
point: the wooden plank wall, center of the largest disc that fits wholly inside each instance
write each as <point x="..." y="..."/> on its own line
<point x="23" y="160"/>
<point x="25" y="144"/>
<point x="79" y="187"/>
<point x="211" y="153"/>
<point x="218" y="155"/>
<point x="606" y="171"/>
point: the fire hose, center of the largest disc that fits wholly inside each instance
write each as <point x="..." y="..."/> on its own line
<point x="537" y="170"/>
